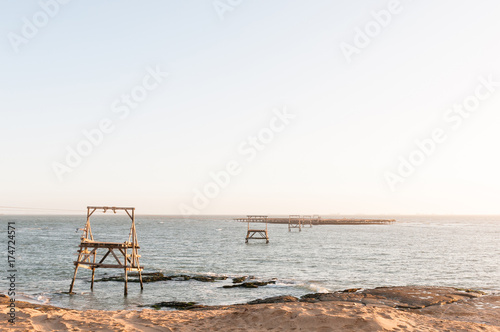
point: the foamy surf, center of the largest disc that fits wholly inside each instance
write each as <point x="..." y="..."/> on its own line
<point x="32" y="298"/>
<point x="311" y="286"/>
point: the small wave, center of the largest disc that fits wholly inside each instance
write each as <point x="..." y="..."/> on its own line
<point x="33" y="298"/>
<point x="193" y="273"/>
<point x="280" y="285"/>
<point x="311" y="286"/>
<point x="314" y="287"/>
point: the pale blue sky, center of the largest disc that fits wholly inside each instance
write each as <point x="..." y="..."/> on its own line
<point x="353" y="120"/>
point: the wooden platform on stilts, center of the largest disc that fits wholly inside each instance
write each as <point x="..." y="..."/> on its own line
<point x="307" y="220"/>
<point x="92" y="254"/>
<point x="254" y="233"/>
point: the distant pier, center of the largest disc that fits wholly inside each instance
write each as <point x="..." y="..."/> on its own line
<point x="328" y="221"/>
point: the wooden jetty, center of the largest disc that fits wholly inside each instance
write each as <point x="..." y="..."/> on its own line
<point x="125" y="254"/>
<point x="253" y="233"/>
<point x="294" y="221"/>
<point x="318" y="220"/>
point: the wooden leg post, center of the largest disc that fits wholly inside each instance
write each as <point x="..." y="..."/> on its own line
<point x="93" y="270"/>
<point x="126" y="272"/>
<point x="125" y="291"/>
<point x="140" y="279"/>
<point x="73" y="281"/>
<point x="92" y="283"/>
<point x="267" y="235"/>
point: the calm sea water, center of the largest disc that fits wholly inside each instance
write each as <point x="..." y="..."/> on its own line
<point x="454" y="251"/>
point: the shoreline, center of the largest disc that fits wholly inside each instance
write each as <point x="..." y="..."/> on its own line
<point x="383" y="308"/>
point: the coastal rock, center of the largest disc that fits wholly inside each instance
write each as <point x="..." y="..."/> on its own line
<point x="337" y="296"/>
<point x="158" y="276"/>
<point x="397" y="297"/>
<point x="176" y="305"/>
<point x="111" y="279"/>
<point x="483" y="310"/>
<point x="208" y="278"/>
<point x="275" y="299"/>
<point x="221" y="278"/>
<point x="152" y="277"/>
<point x="181" y="277"/>
<point x="351" y="290"/>
<point x="204" y="278"/>
<point x="251" y="284"/>
<point x="239" y="280"/>
<point x="420" y="297"/>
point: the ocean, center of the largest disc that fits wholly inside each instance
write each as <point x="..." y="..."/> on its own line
<point x="457" y="251"/>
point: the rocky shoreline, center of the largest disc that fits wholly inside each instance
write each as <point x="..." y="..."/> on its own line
<point x="379" y="309"/>
<point x="394" y="297"/>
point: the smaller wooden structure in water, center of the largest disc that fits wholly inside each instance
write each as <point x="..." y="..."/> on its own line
<point x="307" y="220"/>
<point x="91" y="253"/>
<point x="255" y="233"/>
<point x="294" y="221"/>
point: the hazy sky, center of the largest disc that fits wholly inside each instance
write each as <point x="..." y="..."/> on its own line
<point x="306" y="107"/>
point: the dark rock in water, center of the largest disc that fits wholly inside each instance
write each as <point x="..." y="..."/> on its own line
<point x="220" y="278"/>
<point x="152" y="277"/>
<point x="204" y="278"/>
<point x="146" y="277"/>
<point x="251" y="284"/>
<point x="176" y="305"/>
<point x="275" y="299"/>
<point x="208" y="278"/>
<point x="111" y="279"/>
<point x="136" y="274"/>
<point x="181" y="277"/>
<point x="158" y="276"/>
<point x="238" y="280"/>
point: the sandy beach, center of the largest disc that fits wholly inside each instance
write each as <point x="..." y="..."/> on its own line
<point x="380" y="309"/>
